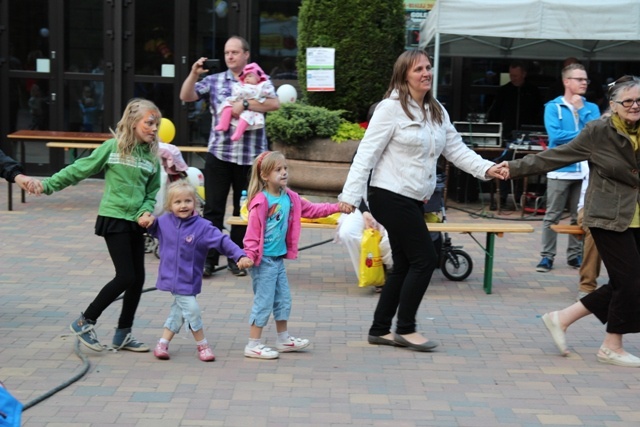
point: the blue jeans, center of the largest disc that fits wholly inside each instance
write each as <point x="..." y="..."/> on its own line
<point x="271" y="291"/>
<point x="184" y="308"/>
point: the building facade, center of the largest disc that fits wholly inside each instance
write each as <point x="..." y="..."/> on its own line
<point x="72" y="65"/>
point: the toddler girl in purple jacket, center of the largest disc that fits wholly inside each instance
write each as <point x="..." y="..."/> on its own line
<point x="185" y="239"/>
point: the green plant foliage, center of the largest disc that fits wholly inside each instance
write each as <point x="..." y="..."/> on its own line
<point x="296" y="122"/>
<point x="348" y="131"/>
<point x="368" y="36"/>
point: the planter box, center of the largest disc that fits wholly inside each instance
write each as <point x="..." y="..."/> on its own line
<point x="318" y="167"/>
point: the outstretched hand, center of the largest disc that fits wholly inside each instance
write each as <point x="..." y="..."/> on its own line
<point x="346" y="207"/>
<point x="146" y="220"/>
<point x="502" y="169"/>
<point x="245" y="262"/>
<point x="29" y="184"/>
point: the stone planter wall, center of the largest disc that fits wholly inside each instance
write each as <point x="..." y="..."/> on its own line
<point x="318" y="167"/>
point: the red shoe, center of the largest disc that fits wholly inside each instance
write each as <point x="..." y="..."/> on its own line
<point x="161" y="351"/>
<point x="205" y="353"/>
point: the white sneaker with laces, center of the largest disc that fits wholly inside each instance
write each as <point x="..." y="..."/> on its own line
<point x="292" y="344"/>
<point x="260" y="352"/>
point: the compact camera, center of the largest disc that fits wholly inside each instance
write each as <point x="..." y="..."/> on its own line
<point x="213" y="65"/>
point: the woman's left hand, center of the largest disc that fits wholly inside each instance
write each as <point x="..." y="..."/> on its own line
<point x="370" y="221"/>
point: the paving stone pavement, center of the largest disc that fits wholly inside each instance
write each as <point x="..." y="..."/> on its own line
<point x="496" y="365"/>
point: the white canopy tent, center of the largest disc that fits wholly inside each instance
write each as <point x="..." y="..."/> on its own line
<point x="533" y="29"/>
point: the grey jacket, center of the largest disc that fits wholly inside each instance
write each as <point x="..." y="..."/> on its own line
<point x="612" y="195"/>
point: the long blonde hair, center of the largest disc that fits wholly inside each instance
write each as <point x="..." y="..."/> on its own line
<point x="399" y="83"/>
<point x="262" y="166"/>
<point x="125" y="132"/>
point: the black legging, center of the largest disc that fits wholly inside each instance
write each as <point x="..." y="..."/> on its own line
<point x="127" y="254"/>
<point x="219" y="177"/>
<point x="414" y="260"/>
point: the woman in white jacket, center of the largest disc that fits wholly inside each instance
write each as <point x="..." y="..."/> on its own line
<point x="408" y="132"/>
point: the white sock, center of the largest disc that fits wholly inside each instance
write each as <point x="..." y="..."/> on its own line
<point x="283" y="336"/>
<point x="253" y="342"/>
<point x="164" y="341"/>
<point x="203" y="342"/>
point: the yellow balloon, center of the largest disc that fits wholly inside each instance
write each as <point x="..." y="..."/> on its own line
<point x="167" y="131"/>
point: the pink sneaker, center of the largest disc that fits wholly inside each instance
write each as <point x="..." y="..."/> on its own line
<point x="161" y="351"/>
<point x="205" y="353"/>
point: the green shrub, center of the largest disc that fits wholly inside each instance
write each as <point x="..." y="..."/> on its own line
<point x="368" y="36"/>
<point x="348" y="131"/>
<point x="295" y="123"/>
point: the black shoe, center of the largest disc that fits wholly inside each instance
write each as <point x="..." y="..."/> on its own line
<point x="575" y="262"/>
<point x="233" y="268"/>
<point x="208" y="270"/>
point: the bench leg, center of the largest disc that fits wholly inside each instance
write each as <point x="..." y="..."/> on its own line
<point x="488" y="263"/>
<point x="10" y="198"/>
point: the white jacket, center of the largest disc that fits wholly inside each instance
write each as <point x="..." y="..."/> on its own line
<point x="402" y="153"/>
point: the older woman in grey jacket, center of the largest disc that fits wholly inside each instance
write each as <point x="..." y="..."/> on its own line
<point x="611" y="146"/>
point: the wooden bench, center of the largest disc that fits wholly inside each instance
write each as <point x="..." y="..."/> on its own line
<point x="492" y="230"/>
<point x="68" y="145"/>
<point x="567" y="229"/>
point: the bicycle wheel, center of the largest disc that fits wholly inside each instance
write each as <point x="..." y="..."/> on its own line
<point x="457" y="265"/>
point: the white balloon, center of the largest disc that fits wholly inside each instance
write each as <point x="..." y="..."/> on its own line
<point x="287" y="93"/>
<point x="196" y="178"/>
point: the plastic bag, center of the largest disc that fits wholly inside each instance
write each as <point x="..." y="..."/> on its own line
<point x="371" y="266"/>
<point x="10" y="409"/>
<point x="331" y="219"/>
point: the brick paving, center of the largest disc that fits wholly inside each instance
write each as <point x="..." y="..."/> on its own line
<point x="496" y="364"/>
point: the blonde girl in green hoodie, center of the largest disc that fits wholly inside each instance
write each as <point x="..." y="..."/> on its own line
<point x="131" y="180"/>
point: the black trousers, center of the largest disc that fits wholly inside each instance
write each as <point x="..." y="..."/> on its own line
<point x="219" y="177"/>
<point x="414" y="260"/>
<point x="127" y="254"/>
<point x="618" y="303"/>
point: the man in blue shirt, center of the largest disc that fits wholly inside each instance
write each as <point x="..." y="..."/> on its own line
<point x="564" y="117"/>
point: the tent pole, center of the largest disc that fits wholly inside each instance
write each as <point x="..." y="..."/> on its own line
<point x="436" y="66"/>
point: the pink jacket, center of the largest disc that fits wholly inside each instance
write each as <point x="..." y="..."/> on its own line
<point x="258" y="208"/>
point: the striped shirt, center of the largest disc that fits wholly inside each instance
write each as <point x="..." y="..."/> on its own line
<point x="243" y="152"/>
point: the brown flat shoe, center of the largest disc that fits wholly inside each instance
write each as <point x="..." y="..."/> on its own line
<point x="427" y="346"/>
<point x="381" y="341"/>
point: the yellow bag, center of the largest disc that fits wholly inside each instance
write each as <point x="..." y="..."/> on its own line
<point x="371" y="266"/>
<point x="331" y="219"/>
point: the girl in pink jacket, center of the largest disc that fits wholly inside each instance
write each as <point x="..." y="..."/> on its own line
<point x="272" y="235"/>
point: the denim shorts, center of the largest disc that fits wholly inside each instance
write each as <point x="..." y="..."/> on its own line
<point x="185" y="308"/>
<point x="271" y="291"/>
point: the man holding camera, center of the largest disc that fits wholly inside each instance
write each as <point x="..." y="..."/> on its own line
<point x="227" y="163"/>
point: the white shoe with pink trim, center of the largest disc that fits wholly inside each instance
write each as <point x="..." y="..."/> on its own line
<point x="292" y="344"/>
<point x="260" y="352"/>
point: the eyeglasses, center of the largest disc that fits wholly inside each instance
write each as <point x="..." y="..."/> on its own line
<point x="628" y="103"/>
<point x="623" y="79"/>
<point x="580" y="79"/>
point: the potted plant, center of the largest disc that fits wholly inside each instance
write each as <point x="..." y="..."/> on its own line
<point x="318" y="143"/>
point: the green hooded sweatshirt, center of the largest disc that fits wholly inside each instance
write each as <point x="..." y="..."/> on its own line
<point x="130" y="183"/>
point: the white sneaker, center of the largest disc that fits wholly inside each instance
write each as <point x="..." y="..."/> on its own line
<point x="292" y="344"/>
<point x="260" y="352"/>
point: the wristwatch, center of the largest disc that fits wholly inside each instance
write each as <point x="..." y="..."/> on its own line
<point x="245" y="104"/>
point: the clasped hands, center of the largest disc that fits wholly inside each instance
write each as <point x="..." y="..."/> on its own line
<point x="29" y="184"/>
